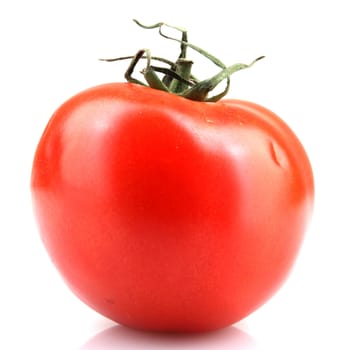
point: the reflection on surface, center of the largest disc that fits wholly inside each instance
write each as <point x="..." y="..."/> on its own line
<point x="119" y="337"/>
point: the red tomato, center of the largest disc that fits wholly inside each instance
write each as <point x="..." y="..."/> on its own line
<point x="163" y="213"/>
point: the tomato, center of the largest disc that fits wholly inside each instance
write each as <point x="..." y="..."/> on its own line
<point x="163" y="213"/>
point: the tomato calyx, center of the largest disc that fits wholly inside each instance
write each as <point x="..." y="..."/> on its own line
<point x="177" y="77"/>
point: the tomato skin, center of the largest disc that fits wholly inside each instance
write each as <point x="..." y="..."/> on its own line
<point x="168" y="214"/>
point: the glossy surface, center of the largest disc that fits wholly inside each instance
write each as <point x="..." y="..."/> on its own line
<point x="167" y="214"/>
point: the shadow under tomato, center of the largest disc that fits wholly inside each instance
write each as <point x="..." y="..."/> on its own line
<point x="120" y="337"/>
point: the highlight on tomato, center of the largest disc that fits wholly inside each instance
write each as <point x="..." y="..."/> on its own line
<point x="164" y="205"/>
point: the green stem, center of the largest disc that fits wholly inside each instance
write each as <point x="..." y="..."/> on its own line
<point x="200" y="91"/>
<point x="183" y="69"/>
<point x="184" y="43"/>
<point x="160" y="59"/>
<point x="178" y="78"/>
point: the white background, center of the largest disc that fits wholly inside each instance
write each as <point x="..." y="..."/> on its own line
<point x="50" y="50"/>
